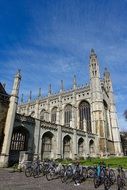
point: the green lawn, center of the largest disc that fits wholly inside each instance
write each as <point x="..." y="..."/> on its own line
<point x="114" y="162"/>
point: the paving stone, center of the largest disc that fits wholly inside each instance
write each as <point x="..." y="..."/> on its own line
<point x="18" y="181"/>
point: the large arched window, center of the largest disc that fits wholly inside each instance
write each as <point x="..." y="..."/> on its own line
<point x="19" y="140"/>
<point x="67" y="115"/>
<point x="53" y="115"/>
<point x="85" y="116"/>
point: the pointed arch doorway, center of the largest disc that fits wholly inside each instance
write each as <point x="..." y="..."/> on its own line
<point x="47" y="144"/>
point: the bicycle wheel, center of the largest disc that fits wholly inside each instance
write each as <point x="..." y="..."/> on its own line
<point x="124" y="179"/>
<point x="90" y="172"/>
<point x="119" y="183"/>
<point x="76" y="177"/>
<point x="41" y="169"/>
<point x="96" y="181"/>
<point x="28" y="172"/>
<point x="69" y="173"/>
<point x="112" y="176"/>
<point x="84" y="173"/>
<point x="50" y="175"/>
<point x="45" y="169"/>
<point x="36" y="172"/>
<point x="64" y="177"/>
<point x="107" y="183"/>
<point x="62" y="174"/>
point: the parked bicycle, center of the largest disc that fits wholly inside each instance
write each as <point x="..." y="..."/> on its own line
<point x="74" y="172"/>
<point x="67" y="173"/>
<point x="91" y="170"/>
<point x="121" y="178"/>
<point x="80" y="174"/>
<point x="109" y="179"/>
<point x="54" y="171"/>
<point x="99" y="175"/>
<point x="34" y="169"/>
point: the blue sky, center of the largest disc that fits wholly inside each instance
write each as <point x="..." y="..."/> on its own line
<point x="50" y="40"/>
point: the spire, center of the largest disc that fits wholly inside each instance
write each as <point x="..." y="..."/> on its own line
<point x="22" y="98"/>
<point x="74" y="82"/>
<point x="92" y="53"/>
<point x="30" y="96"/>
<point x="39" y="93"/>
<point x="62" y="86"/>
<point x="94" y="66"/>
<point x="106" y="73"/>
<point x="107" y="81"/>
<point x="50" y="89"/>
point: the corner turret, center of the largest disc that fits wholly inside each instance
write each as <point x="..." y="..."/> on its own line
<point x="10" y="121"/>
<point x="113" y="115"/>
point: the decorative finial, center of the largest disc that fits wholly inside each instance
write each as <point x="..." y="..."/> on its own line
<point x="30" y="96"/>
<point x="106" y="73"/>
<point x="50" y="89"/>
<point x="92" y="53"/>
<point x="22" y="97"/>
<point x="62" y="86"/>
<point x="74" y="82"/>
<point x="18" y="74"/>
<point x="19" y="71"/>
<point x="39" y="93"/>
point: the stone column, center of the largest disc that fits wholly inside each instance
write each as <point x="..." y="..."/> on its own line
<point x="59" y="111"/>
<point x="109" y="125"/>
<point x="27" y="109"/>
<point x="87" y="153"/>
<point x="59" y="142"/>
<point x="37" y="137"/>
<point x="73" y="122"/>
<point x="77" y="118"/>
<point x="46" y="115"/>
<point x="62" y="115"/>
<point x="10" y="121"/>
<point x="37" y="109"/>
<point x="75" y="143"/>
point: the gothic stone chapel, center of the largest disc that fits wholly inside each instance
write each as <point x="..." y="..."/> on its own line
<point x="80" y="122"/>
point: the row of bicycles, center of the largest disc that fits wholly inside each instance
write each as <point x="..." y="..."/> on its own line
<point x="100" y="174"/>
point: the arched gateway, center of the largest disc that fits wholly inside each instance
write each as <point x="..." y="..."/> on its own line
<point x="19" y="142"/>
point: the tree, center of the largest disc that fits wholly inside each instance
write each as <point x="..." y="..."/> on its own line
<point x="125" y="114"/>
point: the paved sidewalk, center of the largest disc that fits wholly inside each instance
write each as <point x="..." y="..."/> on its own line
<point x="18" y="181"/>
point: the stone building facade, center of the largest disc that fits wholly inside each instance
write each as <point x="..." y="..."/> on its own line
<point x="4" y="103"/>
<point x="80" y="122"/>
